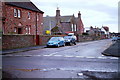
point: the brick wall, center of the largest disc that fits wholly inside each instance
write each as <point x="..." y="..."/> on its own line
<point x="17" y="41"/>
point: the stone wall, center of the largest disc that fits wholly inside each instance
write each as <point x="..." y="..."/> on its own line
<point x="20" y="41"/>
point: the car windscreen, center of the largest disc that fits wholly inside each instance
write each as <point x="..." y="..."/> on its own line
<point x="54" y="39"/>
<point x="67" y="37"/>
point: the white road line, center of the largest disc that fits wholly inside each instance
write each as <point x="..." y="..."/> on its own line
<point x="101" y="57"/>
<point x="91" y="57"/>
<point x="68" y="56"/>
<point x="47" y="55"/>
<point x="80" y="56"/>
<point x="58" y="55"/>
<point x="114" y="58"/>
<point x="53" y="53"/>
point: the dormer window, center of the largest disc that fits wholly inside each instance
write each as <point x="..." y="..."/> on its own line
<point x="29" y="15"/>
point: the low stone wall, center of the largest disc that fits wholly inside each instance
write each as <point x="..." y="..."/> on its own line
<point x="82" y="38"/>
<point x="19" y="41"/>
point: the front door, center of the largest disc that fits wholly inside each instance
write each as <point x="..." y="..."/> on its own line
<point x="19" y="30"/>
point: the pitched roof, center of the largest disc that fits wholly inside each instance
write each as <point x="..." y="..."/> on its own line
<point x="106" y="28"/>
<point x="66" y="18"/>
<point x="25" y="5"/>
<point x="49" y="21"/>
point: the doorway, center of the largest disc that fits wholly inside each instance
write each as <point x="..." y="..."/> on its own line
<point x="19" y="30"/>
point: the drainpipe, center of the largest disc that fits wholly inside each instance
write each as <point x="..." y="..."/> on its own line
<point x="37" y="38"/>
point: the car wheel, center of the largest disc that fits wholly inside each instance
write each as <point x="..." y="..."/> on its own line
<point x="58" y="45"/>
<point x="47" y="46"/>
<point x="74" y="43"/>
<point x="71" y="43"/>
<point x="63" y="44"/>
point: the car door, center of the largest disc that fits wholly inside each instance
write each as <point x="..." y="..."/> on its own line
<point x="62" y="41"/>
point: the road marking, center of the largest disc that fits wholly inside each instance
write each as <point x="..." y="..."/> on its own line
<point x="89" y="57"/>
<point x="57" y="55"/>
<point x="114" y="58"/>
<point x="53" y="53"/>
<point x="80" y="56"/>
<point x="80" y="74"/>
<point x="47" y="55"/>
<point x="68" y="56"/>
<point x="102" y="57"/>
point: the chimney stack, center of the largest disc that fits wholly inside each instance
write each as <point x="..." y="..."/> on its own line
<point x="57" y="12"/>
<point x="58" y="16"/>
<point x="79" y="15"/>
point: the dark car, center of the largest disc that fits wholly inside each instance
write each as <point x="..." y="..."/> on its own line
<point x="56" y="41"/>
<point x="70" y="40"/>
<point x="119" y="37"/>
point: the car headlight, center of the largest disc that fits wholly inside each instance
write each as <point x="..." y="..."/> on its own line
<point x="55" y="43"/>
<point x="67" y="40"/>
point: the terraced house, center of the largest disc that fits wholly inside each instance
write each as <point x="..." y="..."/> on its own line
<point x="22" y="18"/>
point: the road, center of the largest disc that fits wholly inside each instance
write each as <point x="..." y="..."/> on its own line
<point x="83" y="60"/>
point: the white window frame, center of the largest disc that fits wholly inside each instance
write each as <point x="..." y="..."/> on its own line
<point x="72" y="27"/>
<point x="29" y="15"/>
<point x="37" y="17"/>
<point x="15" y="29"/>
<point x="15" y="12"/>
<point x="26" y="30"/>
<point x="75" y="27"/>
<point x="19" y="13"/>
<point x="29" y="30"/>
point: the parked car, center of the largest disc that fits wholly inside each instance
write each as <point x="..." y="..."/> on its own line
<point x="114" y="38"/>
<point x="118" y="37"/>
<point x="56" y="41"/>
<point x="70" y="39"/>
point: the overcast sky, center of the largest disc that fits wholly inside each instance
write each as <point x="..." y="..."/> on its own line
<point x="93" y="12"/>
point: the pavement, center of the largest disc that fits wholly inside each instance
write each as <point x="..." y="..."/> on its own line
<point x="4" y="52"/>
<point x="113" y="50"/>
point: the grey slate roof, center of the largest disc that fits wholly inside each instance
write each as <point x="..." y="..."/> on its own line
<point x="66" y="18"/>
<point x="25" y="5"/>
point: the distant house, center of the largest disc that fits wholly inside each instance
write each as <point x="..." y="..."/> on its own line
<point x="22" y="18"/>
<point x="95" y="31"/>
<point x="106" y="30"/>
<point x="64" y="24"/>
<point x="101" y="32"/>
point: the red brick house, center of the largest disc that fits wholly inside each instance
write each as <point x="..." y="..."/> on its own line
<point x="106" y="30"/>
<point x="22" y="18"/>
<point x="0" y="16"/>
<point x="66" y="24"/>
